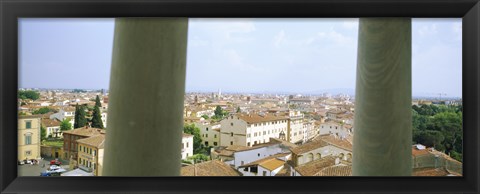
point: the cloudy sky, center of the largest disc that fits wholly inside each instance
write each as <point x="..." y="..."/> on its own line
<point x="240" y="55"/>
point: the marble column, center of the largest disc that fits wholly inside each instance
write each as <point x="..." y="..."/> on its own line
<point x="383" y="98"/>
<point x="147" y="87"/>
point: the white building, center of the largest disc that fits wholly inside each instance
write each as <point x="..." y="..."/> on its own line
<point x="340" y="130"/>
<point x="268" y="166"/>
<point x="65" y="113"/>
<point x="52" y="127"/>
<point x="187" y="146"/>
<point x="104" y="118"/>
<point x="251" y="129"/>
<point x="296" y="131"/>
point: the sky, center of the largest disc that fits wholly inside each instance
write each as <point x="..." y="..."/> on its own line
<point x="241" y="55"/>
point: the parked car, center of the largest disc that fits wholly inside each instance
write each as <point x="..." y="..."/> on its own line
<point x="54" y="167"/>
<point x="55" y="162"/>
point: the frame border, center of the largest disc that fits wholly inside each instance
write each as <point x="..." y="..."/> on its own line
<point x="11" y="10"/>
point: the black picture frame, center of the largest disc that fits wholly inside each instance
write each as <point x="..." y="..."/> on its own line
<point x="11" y="10"/>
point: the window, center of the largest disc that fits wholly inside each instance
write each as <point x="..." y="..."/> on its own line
<point x="264" y="173"/>
<point x="94" y="153"/>
<point x="79" y="148"/>
<point x="215" y="136"/>
<point x="248" y="144"/>
<point x="28" y="139"/>
<point x="215" y="143"/>
<point x="231" y="143"/>
<point x="206" y="143"/>
<point x="28" y="153"/>
<point x="187" y="144"/>
<point x="231" y="124"/>
<point x="207" y="128"/>
<point x="94" y="166"/>
<point x="231" y="134"/>
<point x="258" y="154"/>
<point x="245" y="169"/>
<point x="28" y="124"/>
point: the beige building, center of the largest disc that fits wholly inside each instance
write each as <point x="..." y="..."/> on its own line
<point x="90" y="154"/>
<point x="210" y="133"/>
<point x="29" y="137"/>
<point x="251" y="129"/>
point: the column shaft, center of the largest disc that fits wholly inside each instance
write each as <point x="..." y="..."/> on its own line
<point x="147" y="87"/>
<point x="383" y="117"/>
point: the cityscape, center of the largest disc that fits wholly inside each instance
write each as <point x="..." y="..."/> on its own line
<point x="225" y="134"/>
<point x="262" y="97"/>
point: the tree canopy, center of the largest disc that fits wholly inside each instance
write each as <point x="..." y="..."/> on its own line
<point x="97" y="118"/>
<point x="65" y="125"/>
<point x="42" y="110"/>
<point x="439" y="126"/>
<point x="198" y="147"/>
<point x="80" y="120"/>
<point x="28" y="94"/>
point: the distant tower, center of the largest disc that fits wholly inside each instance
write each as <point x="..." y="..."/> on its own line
<point x="219" y="93"/>
<point x="196" y="99"/>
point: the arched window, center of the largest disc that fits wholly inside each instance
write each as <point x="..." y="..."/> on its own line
<point x="309" y="157"/>
<point x="349" y="157"/>
<point x="341" y="155"/>
<point x="318" y="156"/>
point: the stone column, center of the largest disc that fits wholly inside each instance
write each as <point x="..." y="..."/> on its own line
<point x="383" y="98"/>
<point x="147" y="87"/>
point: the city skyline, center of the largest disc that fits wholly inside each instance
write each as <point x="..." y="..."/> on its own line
<point x="290" y="55"/>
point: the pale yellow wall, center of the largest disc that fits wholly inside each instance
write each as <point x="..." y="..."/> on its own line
<point x="34" y="147"/>
<point x="97" y="159"/>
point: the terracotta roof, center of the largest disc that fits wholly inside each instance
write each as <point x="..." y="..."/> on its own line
<point x="416" y="152"/>
<point x="314" y="167"/>
<point x="308" y="147"/>
<point x="97" y="141"/>
<point x="184" y="135"/>
<point x="209" y="168"/>
<point x="29" y="116"/>
<point x="255" y="118"/>
<point x="50" y="122"/>
<point x="429" y="172"/>
<point x="85" y="131"/>
<point x="338" y="142"/>
<point x="285" y="171"/>
<point x="271" y="162"/>
<point x="337" y="170"/>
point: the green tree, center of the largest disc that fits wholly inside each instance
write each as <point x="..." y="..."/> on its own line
<point x="65" y="125"/>
<point x="42" y="110"/>
<point x="197" y="140"/>
<point x="218" y="111"/>
<point x="80" y="120"/>
<point x="97" y="102"/>
<point x="205" y="117"/>
<point x="43" y="133"/>
<point x="97" y="118"/>
<point x="28" y="94"/>
<point x="198" y="158"/>
<point x="238" y="109"/>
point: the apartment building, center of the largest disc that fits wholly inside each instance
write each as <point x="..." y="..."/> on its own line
<point x="29" y="137"/>
<point x="251" y="129"/>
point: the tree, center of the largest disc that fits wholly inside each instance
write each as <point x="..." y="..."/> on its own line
<point x="205" y="117"/>
<point x="198" y="158"/>
<point x="197" y="140"/>
<point x="43" y="133"/>
<point x="97" y="118"/>
<point x="238" y="110"/>
<point x="218" y="111"/>
<point x="29" y="94"/>
<point x="80" y="120"/>
<point x="65" y="125"/>
<point x="97" y="102"/>
<point x="42" y="110"/>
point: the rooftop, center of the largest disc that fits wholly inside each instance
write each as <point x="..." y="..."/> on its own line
<point x="97" y="141"/>
<point x="209" y="168"/>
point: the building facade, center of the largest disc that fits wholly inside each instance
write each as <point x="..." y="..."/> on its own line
<point x="251" y="129"/>
<point x="90" y="154"/>
<point x="29" y="137"/>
